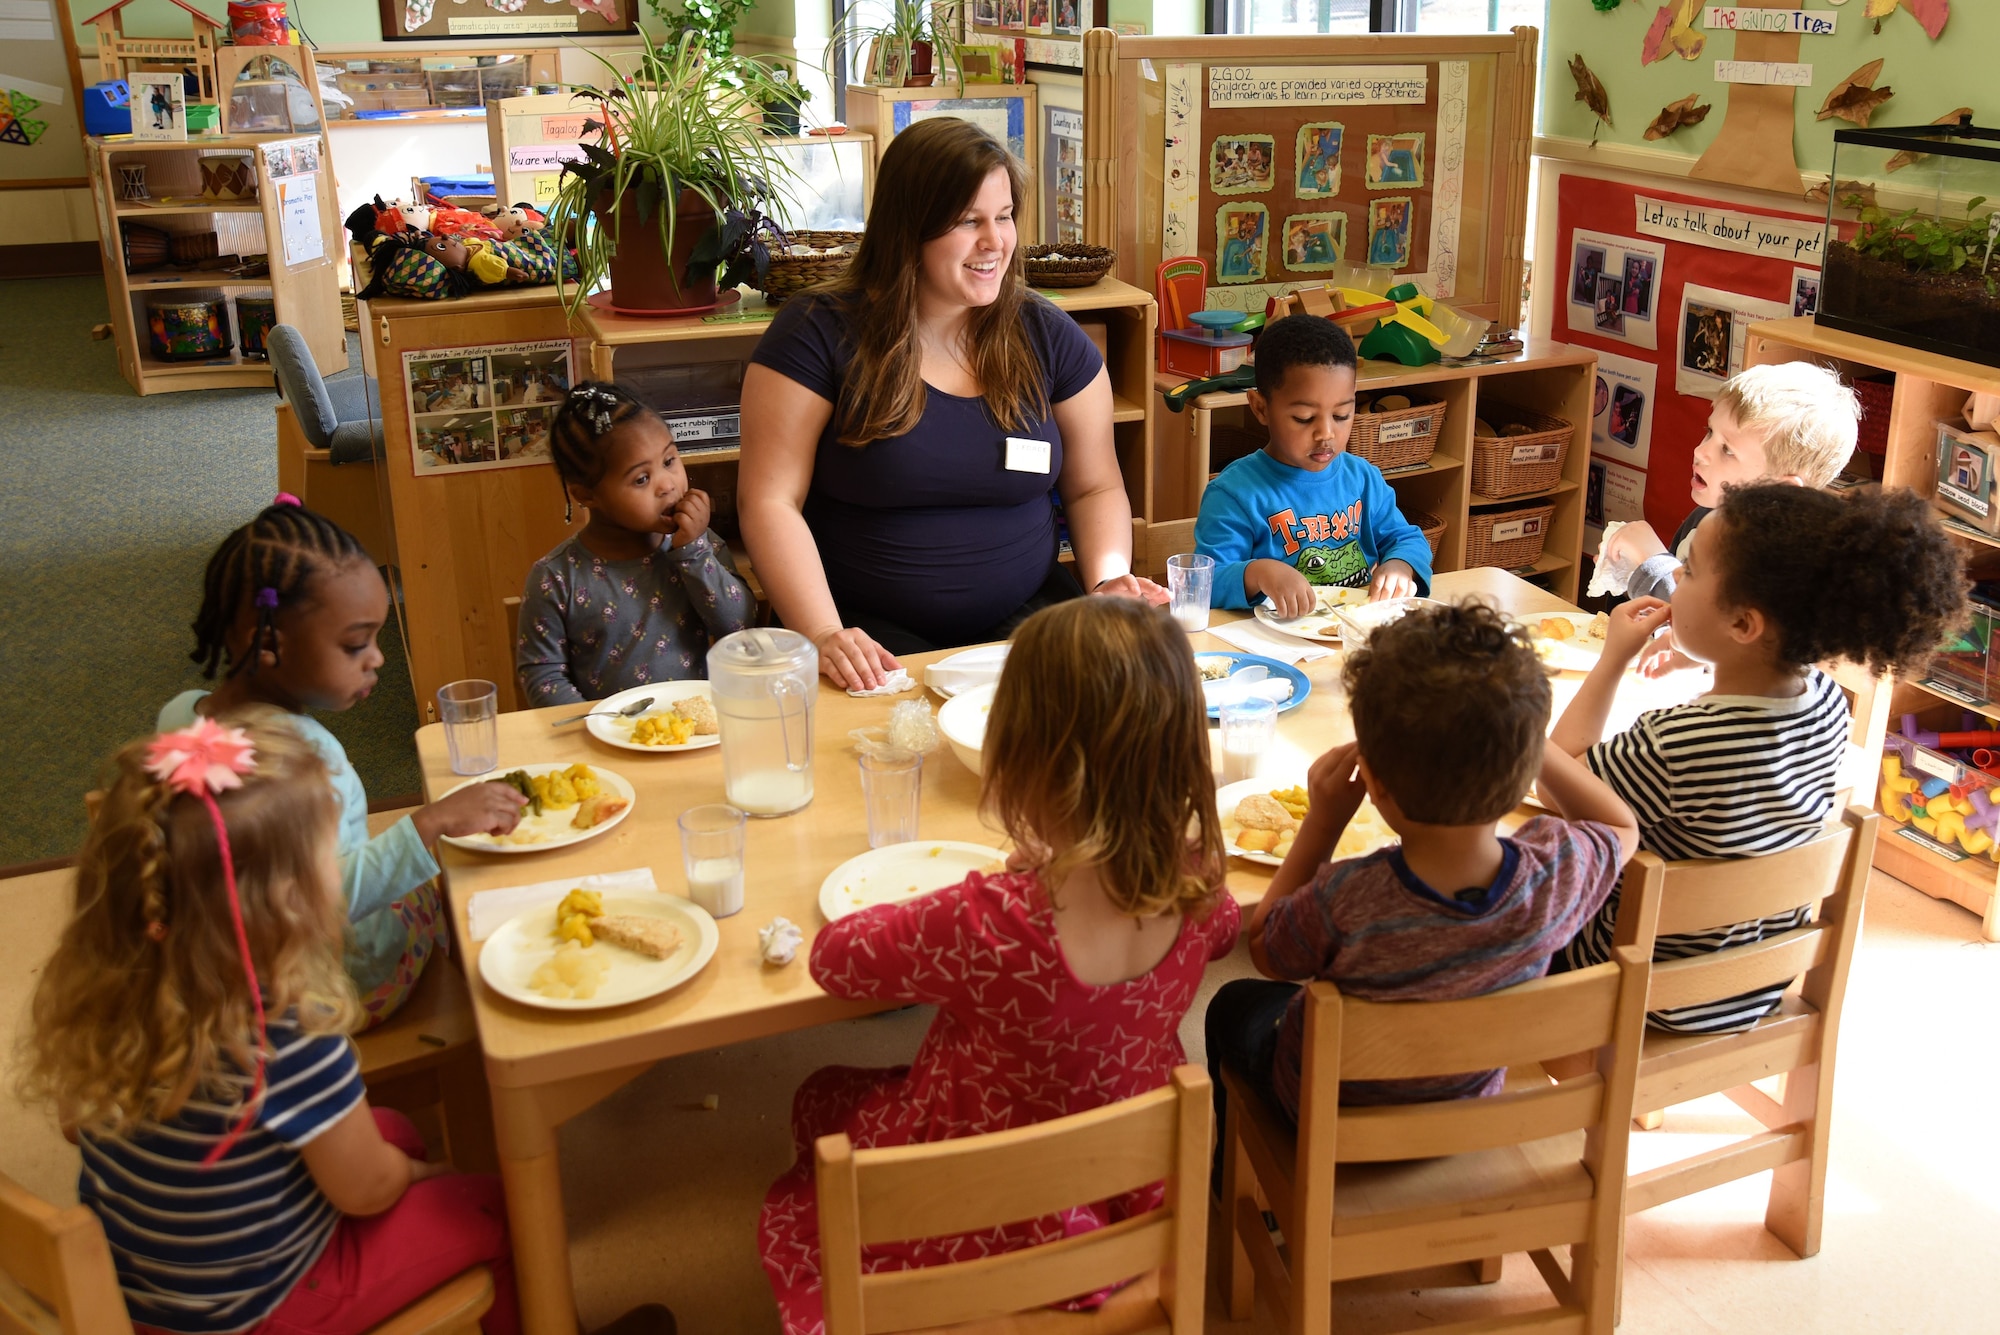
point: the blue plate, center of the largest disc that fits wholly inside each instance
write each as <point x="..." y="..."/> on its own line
<point x="1301" y="687"/>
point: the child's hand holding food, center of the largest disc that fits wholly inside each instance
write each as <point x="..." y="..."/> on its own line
<point x="1334" y="782"/>
<point x="1632" y="627"/>
<point x="1393" y="579"/>
<point x="1282" y="586"/>
<point x="691" y="517"/>
<point x="480" y="808"/>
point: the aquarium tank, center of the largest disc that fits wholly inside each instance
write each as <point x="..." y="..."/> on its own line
<point x="1910" y="238"/>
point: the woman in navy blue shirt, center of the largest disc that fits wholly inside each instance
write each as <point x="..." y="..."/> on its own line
<point x="907" y="428"/>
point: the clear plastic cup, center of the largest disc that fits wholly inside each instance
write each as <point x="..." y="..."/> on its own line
<point x="471" y="714"/>
<point x="712" y="857"/>
<point x="1248" y="729"/>
<point x="1190" y="585"/>
<point x="892" y="788"/>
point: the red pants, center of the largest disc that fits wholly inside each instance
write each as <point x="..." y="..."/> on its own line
<point x="373" y="1268"/>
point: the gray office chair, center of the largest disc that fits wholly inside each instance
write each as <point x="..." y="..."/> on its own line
<point x="333" y="417"/>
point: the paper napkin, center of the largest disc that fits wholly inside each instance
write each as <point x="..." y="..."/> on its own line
<point x="1254" y="637"/>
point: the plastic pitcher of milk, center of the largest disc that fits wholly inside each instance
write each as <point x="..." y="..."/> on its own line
<point x="764" y="683"/>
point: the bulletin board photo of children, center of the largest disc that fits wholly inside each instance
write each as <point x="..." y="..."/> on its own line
<point x="1038" y="17"/>
<point x="1242" y="236"/>
<point x="1640" y="272"/>
<point x="1067" y="18"/>
<point x="492" y="407"/>
<point x="1241" y="164"/>
<point x="532" y="377"/>
<point x="1315" y="241"/>
<point x="449" y="383"/>
<point x="986" y="13"/>
<point x="1389" y="232"/>
<point x="523" y="433"/>
<point x="1013" y="15"/>
<point x="451" y="440"/>
<point x="1628" y="409"/>
<point x="1395" y="161"/>
<point x="1588" y="265"/>
<point x="1610" y="304"/>
<point x="1705" y="340"/>
<point x="1319" y="160"/>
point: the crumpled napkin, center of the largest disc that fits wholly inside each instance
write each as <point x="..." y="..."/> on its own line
<point x="1228" y="691"/>
<point x="1607" y="579"/>
<point x="1254" y="637"/>
<point x="894" y="684"/>
<point x="489" y="910"/>
<point x="778" y="941"/>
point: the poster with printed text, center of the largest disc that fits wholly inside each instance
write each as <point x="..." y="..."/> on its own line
<point x="1613" y="287"/>
<point x="1062" y="158"/>
<point x="1621" y="419"/>
<point x="490" y="407"/>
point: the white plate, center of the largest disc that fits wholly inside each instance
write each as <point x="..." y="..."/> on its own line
<point x="618" y="731"/>
<point x="1578" y="654"/>
<point x="897" y="873"/>
<point x="523" y="943"/>
<point x="1318" y="624"/>
<point x="1364" y="834"/>
<point x="966" y="669"/>
<point x="556" y="823"/>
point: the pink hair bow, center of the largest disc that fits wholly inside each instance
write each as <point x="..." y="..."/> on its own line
<point x="204" y="758"/>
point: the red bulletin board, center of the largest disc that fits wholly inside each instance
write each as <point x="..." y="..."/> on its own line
<point x="1678" y="419"/>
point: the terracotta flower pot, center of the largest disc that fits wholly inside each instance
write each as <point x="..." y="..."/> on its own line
<point x="643" y="276"/>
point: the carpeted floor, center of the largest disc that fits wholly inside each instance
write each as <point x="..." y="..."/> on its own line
<point x="111" y="507"/>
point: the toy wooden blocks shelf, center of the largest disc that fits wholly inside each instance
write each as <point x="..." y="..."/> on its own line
<point x="1927" y="389"/>
<point x="166" y="209"/>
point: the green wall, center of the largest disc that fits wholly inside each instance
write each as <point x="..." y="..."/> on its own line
<point x="1930" y="78"/>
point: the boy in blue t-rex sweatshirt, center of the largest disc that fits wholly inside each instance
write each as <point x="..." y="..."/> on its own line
<point x="1302" y="512"/>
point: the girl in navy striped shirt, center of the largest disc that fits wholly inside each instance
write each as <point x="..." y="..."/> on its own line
<point x="228" y="1147"/>
<point x="1778" y="579"/>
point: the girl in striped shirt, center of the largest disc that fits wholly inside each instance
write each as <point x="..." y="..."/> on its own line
<point x="1777" y="579"/>
<point x="228" y="1147"/>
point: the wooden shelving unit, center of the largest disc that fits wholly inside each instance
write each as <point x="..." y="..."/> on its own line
<point x="1927" y="387"/>
<point x="307" y="294"/>
<point x="1553" y="378"/>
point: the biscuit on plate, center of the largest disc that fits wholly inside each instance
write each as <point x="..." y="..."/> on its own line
<point x="1261" y="811"/>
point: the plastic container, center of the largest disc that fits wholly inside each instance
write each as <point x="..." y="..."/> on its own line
<point x="1201" y="355"/>
<point x="258" y="24"/>
<point x="765" y="683"/>
<point x="1967" y="661"/>
<point x="107" y="108"/>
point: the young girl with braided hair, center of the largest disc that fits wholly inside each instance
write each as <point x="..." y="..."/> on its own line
<point x="289" y="613"/>
<point x="646" y="587"/>
<point x="190" y="1033"/>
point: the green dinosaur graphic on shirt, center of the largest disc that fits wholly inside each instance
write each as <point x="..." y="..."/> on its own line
<point x="1345" y="564"/>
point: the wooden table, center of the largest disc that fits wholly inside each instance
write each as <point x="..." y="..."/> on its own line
<point x="546" y="1067"/>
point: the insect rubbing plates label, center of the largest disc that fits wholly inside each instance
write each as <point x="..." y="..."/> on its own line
<point x="1536" y="454"/>
<point x="1511" y="529"/>
<point x="697" y="427"/>
<point x="1390" y="432"/>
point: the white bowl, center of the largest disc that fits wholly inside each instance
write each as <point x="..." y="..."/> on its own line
<point x="962" y="720"/>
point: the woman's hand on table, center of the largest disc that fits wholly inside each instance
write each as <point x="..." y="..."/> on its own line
<point x="481" y="808"/>
<point x="851" y="660"/>
<point x="1283" y="587"/>
<point x="1133" y="586"/>
<point x="1393" y="579"/>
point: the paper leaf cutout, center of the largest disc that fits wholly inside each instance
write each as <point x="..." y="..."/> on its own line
<point x="1855" y="97"/>
<point x="1676" y="114"/>
<point x="1933" y="14"/>
<point x="1850" y="193"/>
<point x="1903" y="159"/>
<point x="1672" y="33"/>
<point x="1590" y="90"/>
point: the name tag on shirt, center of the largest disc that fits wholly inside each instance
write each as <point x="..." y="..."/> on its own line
<point x="1027" y="456"/>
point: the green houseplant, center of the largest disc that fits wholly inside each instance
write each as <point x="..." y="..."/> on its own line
<point x="678" y="184"/>
<point x="913" y="47"/>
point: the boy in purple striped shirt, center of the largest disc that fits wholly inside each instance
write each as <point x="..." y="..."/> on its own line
<point x="1450" y="707"/>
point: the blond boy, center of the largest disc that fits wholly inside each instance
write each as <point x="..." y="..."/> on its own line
<point x="1790" y="422"/>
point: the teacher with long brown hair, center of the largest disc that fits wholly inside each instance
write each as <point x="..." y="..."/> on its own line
<point x="907" y="427"/>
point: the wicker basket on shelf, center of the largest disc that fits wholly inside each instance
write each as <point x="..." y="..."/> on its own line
<point x="1529" y="459"/>
<point x="791" y="273"/>
<point x="1080" y="265"/>
<point x="1399" y="437"/>
<point x="1432" y="527"/>
<point x="1509" y="539"/>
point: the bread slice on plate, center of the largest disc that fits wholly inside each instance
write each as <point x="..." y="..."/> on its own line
<point x="644" y="936"/>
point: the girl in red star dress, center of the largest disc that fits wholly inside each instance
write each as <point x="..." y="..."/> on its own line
<point x="1060" y="983"/>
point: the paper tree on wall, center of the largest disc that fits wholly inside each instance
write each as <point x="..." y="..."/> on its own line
<point x="114" y="48"/>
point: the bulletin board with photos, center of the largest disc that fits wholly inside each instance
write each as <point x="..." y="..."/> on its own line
<point x="1050" y="31"/>
<point x="1282" y="159"/>
<point x="485" y="407"/>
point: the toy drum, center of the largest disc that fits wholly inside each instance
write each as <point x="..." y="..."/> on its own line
<point x="254" y="318"/>
<point x="188" y="330"/>
<point x="228" y="177"/>
<point x="145" y="247"/>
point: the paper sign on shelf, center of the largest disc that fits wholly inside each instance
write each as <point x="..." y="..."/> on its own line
<point x="545" y="189"/>
<point x="542" y="157"/>
<point x="1805" y="22"/>
<point x="1772" y="238"/>
<point x="1317" y="85"/>
<point x="1763" y="71"/>
<point x="563" y="127"/>
<point x="298" y="218"/>
<point x="1621" y="422"/>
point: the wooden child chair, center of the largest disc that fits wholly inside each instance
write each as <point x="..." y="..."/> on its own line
<point x="56" y="1275"/>
<point x="1376" y="1190"/>
<point x="1798" y="1040"/>
<point x="960" y="1186"/>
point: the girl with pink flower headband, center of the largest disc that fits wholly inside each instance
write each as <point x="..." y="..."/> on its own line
<point x="190" y="1032"/>
<point x="290" y="610"/>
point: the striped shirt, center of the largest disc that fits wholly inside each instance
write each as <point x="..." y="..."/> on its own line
<point x="210" y="1250"/>
<point x="1724" y="776"/>
<point x="1372" y="926"/>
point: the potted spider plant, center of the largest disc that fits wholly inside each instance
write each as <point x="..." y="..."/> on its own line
<point x="677" y="185"/>
<point x="905" y="49"/>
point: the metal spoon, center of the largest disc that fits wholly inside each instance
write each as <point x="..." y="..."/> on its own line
<point x="633" y="710"/>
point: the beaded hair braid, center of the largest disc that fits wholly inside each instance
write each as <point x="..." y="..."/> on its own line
<point x="269" y="563"/>
<point x="592" y="410"/>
